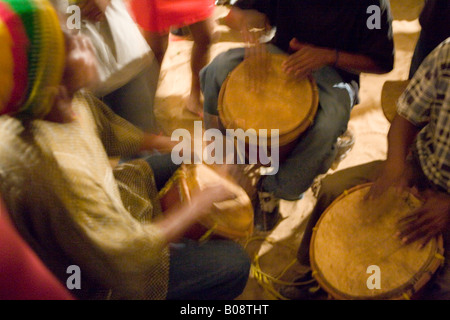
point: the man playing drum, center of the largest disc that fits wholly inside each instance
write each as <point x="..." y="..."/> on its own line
<point x="418" y="156"/>
<point x="334" y="41"/>
<point x="64" y="197"/>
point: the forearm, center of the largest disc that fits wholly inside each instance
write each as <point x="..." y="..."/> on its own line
<point x="175" y="223"/>
<point x="234" y="19"/>
<point x="400" y="138"/>
<point x="239" y="19"/>
<point x="152" y="142"/>
<point x="356" y="63"/>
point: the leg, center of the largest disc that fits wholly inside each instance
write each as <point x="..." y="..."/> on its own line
<point x="214" y="270"/>
<point x="315" y="150"/>
<point x="331" y="187"/>
<point x="202" y="33"/>
<point x="158" y="43"/>
<point x="211" y="79"/>
<point x="134" y="101"/>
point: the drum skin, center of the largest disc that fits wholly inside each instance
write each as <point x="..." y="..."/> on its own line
<point x="353" y="235"/>
<point x="281" y="102"/>
<point x="231" y="219"/>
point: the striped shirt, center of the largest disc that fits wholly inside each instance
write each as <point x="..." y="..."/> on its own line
<point x="426" y="104"/>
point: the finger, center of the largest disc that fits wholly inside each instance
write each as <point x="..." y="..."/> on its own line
<point x="294" y="59"/>
<point x="414" y="215"/>
<point x="416" y="231"/>
<point x="425" y="241"/>
<point x="376" y="191"/>
<point x="296" y="45"/>
<point x="302" y="71"/>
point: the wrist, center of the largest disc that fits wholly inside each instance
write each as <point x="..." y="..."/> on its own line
<point x="334" y="58"/>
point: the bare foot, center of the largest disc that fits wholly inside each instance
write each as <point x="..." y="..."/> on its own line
<point x="195" y="105"/>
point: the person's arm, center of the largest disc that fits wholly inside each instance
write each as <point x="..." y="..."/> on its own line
<point x="239" y="19"/>
<point x="177" y="221"/>
<point x="308" y="58"/>
<point x="160" y="143"/>
<point x="395" y="170"/>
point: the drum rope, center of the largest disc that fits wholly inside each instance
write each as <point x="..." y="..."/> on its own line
<point x="208" y="234"/>
<point x="267" y="281"/>
<point x="176" y="176"/>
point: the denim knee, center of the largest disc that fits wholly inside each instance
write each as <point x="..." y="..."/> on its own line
<point x="213" y="75"/>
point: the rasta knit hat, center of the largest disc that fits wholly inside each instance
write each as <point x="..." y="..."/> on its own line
<point x="32" y="53"/>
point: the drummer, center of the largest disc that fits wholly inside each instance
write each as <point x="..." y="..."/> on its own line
<point x="332" y="40"/>
<point x="62" y="194"/>
<point x="419" y="156"/>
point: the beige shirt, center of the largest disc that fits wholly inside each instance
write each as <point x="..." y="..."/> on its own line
<point x="74" y="209"/>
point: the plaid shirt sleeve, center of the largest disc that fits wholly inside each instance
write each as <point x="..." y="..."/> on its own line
<point x="426" y="104"/>
<point x="416" y="101"/>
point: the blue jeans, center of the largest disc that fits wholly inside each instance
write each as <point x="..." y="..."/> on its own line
<point x="213" y="270"/>
<point x="315" y="150"/>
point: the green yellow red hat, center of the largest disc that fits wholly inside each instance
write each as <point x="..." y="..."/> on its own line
<point x="31" y="57"/>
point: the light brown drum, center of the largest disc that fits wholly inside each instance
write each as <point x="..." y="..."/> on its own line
<point x="281" y="102"/>
<point x="353" y="235"/>
<point x="231" y="219"/>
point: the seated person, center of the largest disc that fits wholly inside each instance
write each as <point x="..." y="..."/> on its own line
<point x="63" y="195"/>
<point x="418" y="156"/>
<point x="326" y="38"/>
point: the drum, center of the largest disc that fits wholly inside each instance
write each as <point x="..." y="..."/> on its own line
<point x="281" y="102"/>
<point x="231" y="219"/>
<point x="355" y="254"/>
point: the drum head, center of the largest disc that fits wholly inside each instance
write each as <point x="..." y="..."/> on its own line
<point x="282" y="102"/>
<point x="353" y="235"/>
<point x="232" y="219"/>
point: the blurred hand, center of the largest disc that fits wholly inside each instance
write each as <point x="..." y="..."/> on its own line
<point x="202" y="201"/>
<point x="81" y="63"/>
<point x="398" y="177"/>
<point x="163" y="144"/>
<point x="94" y="10"/>
<point x="428" y="221"/>
<point x="253" y="27"/>
<point x="306" y="59"/>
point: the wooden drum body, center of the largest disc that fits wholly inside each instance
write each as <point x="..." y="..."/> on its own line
<point x="231" y="219"/>
<point x="353" y="235"/>
<point x="281" y="102"/>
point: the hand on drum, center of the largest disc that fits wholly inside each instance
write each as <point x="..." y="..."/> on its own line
<point x="306" y="59"/>
<point x="428" y="221"/>
<point x="397" y="177"/>
<point x="202" y="201"/>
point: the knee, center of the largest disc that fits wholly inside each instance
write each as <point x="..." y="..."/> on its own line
<point x="331" y="187"/>
<point x="225" y="62"/>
